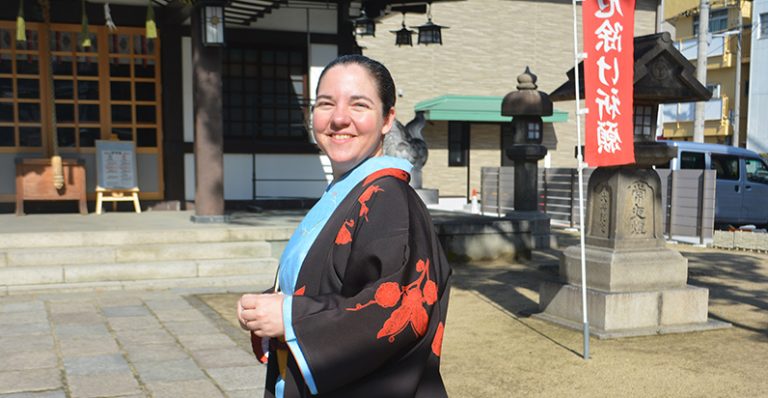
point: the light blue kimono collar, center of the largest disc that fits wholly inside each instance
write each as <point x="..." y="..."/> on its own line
<point x="309" y="228"/>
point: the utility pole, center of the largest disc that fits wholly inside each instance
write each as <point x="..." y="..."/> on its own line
<point x="701" y="69"/>
<point x="737" y="97"/>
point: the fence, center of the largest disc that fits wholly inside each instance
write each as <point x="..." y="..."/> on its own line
<point x="687" y="199"/>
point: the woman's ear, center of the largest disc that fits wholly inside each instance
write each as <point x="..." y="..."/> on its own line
<point x="389" y="119"/>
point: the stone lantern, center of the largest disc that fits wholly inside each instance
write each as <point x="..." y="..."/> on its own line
<point x="526" y="106"/>
<point x="636" y="285"/>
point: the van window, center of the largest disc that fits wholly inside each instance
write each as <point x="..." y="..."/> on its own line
<point x="726" y="166"/>
<point x="756" y="171"/>
<point x="691" y="160"/>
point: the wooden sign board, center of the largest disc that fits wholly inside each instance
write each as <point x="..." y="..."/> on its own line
<point x="117" y="180"/>
<point x="116" y="165"/>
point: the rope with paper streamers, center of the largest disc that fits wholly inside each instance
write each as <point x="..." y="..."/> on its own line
<point x="151" y="26"/>
<point x="108" y="19"/>
<point x="21" y="26"/>
<point x="85" y="41"/>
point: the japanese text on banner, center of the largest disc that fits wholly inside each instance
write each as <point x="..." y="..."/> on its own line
<point x="608" y="81"/>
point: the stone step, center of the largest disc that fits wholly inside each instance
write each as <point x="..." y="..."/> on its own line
<point x="98" y="274"/>
<point x="240" y="283"/>
<point x="140" y="237"/>
<point x="47" y="256"/>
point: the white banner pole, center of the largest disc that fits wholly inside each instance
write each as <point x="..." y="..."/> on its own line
<point x="578" y="56"/>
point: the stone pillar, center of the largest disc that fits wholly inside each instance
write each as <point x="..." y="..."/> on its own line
<point x="635" y="284"/>
<point x="526" y="159"/>
<point x="209" y="142"/>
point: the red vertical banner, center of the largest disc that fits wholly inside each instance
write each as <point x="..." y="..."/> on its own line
<point x="609" y="27"/>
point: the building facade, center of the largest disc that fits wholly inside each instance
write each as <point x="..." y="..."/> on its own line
<point x="757" y="116"/>
<point x="131" y="88"/>
<point x="488" y="43"/>
<point x="722" y="61"/>
<point x="128" y="87"/>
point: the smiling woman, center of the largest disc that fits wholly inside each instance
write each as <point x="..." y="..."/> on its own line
<point x="359" y="306"/>
<point x="350" y="117"/>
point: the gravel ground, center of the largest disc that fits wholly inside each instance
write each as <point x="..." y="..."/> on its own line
<point x="493" y="348"/>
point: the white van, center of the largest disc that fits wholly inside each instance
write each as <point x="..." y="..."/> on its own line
<point x="741" y="189"/>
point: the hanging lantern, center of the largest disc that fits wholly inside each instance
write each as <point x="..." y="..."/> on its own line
<point x="364" y="26"/>
<point x="212" y="21"/>
<point x="404" y="36"/>
<point x="151" y="26"/>
<point x="21" y="26"/>
<point x="430" y="33"/>
<point x="85" y="40"/>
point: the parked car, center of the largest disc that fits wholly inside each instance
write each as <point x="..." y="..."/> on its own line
<point x="741" y="183"/>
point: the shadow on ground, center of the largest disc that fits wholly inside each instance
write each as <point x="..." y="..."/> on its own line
<point x="733" y="278"/>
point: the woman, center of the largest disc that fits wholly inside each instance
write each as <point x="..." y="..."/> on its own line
<point x="363" y="283"/>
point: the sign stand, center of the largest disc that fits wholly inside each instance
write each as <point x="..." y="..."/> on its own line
<point x="117" y="182"/>
<point x="114" y="196"/>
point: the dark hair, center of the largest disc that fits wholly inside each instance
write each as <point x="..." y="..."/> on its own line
<point x="379" y="72"/>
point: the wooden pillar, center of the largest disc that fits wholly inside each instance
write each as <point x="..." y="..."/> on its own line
<point x="344" y="28"/>
<point x="209" y="142"/>
<point x="173" y="112"/>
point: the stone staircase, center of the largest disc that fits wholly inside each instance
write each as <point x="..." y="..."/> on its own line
<point x="125" y="259"/>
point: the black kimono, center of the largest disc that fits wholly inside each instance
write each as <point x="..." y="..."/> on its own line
<point x="368" y="308"/>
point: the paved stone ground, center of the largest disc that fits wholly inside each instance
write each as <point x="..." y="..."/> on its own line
<point x="121" y="344"/>
<point x="184" y="343"/>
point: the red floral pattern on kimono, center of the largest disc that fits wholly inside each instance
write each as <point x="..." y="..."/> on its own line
<point x="411" y="311"/>
<point x="344" y="235"/>
<point x="376" y="297"/>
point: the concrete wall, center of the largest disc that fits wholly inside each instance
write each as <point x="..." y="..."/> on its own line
<point x="489" y="43"/>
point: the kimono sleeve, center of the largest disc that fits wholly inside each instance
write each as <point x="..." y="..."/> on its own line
<point x="387" y="301"/>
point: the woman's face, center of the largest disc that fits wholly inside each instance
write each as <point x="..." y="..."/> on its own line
<point x="347" y="119"/>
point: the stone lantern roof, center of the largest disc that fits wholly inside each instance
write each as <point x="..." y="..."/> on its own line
<point x="662" y="75"/>
<point x="526" y="101"/>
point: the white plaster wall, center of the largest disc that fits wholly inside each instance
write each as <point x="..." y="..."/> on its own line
<point x="757" y="116"/>
<point x="319" y="56"/>
<point x="295" y="20"/>
<point x="278" y="176"/>
<point x="238" y="177"/>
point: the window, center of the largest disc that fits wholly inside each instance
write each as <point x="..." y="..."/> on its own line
<point x="714" y="89"/>
<point x="21" y="121"/>
<point x="134" y="88"/>
<point x="726" y="167"/>
<point x="718" y="21"/>
<point x="691" y="160"/>
<point x="111" y="88"/>
<point x="756" y="171"/>
<point x="265" y="94"/>
<point x="534" y="131"/>
<point x="764" y="25"/>
<point x="458" y="144"/>
<point x="644" y="120"/>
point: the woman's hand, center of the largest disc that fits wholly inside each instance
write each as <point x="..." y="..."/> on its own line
<point x="262" y="314"/>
